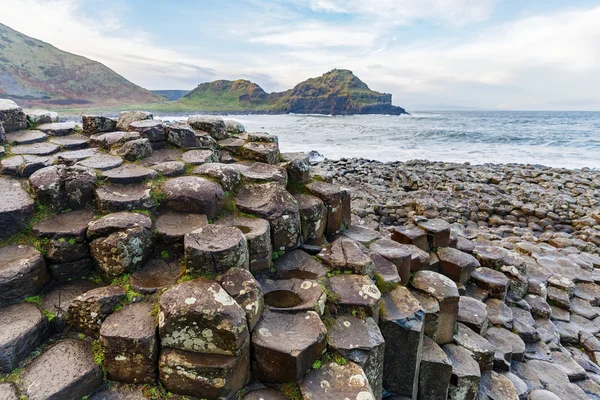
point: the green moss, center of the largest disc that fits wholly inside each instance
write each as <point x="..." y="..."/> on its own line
<point x="26" y="236"/>
<point x="97" y="352"/>
<point x="34" y="299"/>
<point x="317" y="364"/>
<point x="384" y="286"/>
<point x="291" y="391"/>
<point x="277" y="254"/>
<point x="130" y="294"/>
<point x="358" y="312"/>
<point x="164" y="254"/>
<point x="81" y="336"/>
<point x="156" y="191"/>
<point x="145" y="212"/>
<point x="15" y="377"/>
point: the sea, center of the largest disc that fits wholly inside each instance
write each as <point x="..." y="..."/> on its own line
<point x="555" y="139"/>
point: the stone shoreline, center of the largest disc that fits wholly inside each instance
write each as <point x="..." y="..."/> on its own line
<point x="146" y="260"/>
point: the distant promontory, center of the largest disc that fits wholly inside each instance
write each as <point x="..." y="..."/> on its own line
<point x="337" y="92"/>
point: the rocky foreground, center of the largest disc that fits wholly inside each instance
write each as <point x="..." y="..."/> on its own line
<point x="142" y="259"/>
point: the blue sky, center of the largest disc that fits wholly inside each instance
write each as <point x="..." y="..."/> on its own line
<point x="493" y="54"/>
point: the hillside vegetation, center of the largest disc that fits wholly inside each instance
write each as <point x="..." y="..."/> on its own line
<point x="33" y="72"/>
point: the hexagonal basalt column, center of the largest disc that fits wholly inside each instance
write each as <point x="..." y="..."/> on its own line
<point x="345" y="255"/>
<point x="444" y="290"/>
<point x="23" y="273"/>
<point x="313" y="216"/>
<point x="435" y="371"/>
<point x="87" y="311"/>
<point x="16" y="207"/>
<point x="438" y="232"/>
<point x="209" y="376"/>
<point x="398" y="254"/>
<point x="285" y="346"/>
<point x="273" y="203"/>
<point x="213" y="249"/>
<point x="402" y="327"/>
<point x="258" y="234"/>
<point x="360" y="341"/>
<point x="332" y="197"/>
<point x="356" y="292"/>
<point x="128" y="339"/>
<point x="246" y="291"/>
<point x="334" y="382"/>
<point x="200" y="316"/>
<point x="456" y="265"/>
<point x="194" y="194"/>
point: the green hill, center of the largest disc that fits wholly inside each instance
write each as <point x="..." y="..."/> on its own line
<point x="337" y="92"/>
<point x="33" y="72"/>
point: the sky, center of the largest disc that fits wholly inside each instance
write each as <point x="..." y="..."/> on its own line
<point x="488" y="54"/>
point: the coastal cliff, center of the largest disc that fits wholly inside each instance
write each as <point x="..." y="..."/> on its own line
<point x="337" y="92"/>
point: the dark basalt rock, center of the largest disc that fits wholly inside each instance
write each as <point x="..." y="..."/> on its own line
<point x="16" y="207"/>
<point x="299" y="264"/>
<point x="240" y="284"/>
<point x="22" y="329"/>
<point x="170" y="168"/>
<point x="228" y="175"/>
<point x="259" y="151"/>
<point x="482" y="350"/>
<point x="397" y="253"/>
<point x="257" y="232"/>
<point x="64" y="371"/>
<point x="36" y="149"/>
<point x="213" y="249"/>
<point x="114" y="198"/>
<point x="22" y="273"/>
<point x="65" y="226"/>
<point x="135" y="150"/>
<point x="155" y="275"/>
<point x="333" y="382"/>
<point x="24" y="166"/>
<point x="25" y="137"/>
<point x="313" y="217"/>
<point x="95" y="124"/>
<point x="473" y="313"/>
<point x="435" y="371"/>
<point x="129" y="174"/>
<point x="285" y="346"/>
<point x="58" y="128"/>
<point x="215" y="126"/>
<point x="402" y="327"/>
<point x="152" y="130"/>
<point x="12" y="116"/>
<point x="344" y="254"/>
<point x="465" y="373"/>
<point x="200" y="316"/>
<point x="128" y="117"/>
<point x="129" y="343"/>
<point x="87" y="311"/>
<point x="457" y="265"/>
<point x="71" y="142"/>
<point x="171" y="227"/>
<point x="113" y="139"/>
<point x="261" y="172"/>
<point x="193" y="194"/>
<point x="356" y="292"/>
<point x="264" y="394"/>
<point x="197" y="157"/>
<point x="58" y="300"/>
<point x="293" y="295"/>
<point x="63" y="187"/>
<point x="332" y="197"/>
<point x="102" y="162"/>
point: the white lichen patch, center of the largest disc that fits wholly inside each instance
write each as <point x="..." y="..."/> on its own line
<point x="265" y="332"/>
<point x="325" y="384"/>
<point x="357" y="380"/>
<point x="306" y="285"/>
<point x="190" y="300"/>
<point x="221" y="296"/>
<point x="364" y="396"/>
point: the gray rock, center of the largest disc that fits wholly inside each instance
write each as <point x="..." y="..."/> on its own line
<point x="35" y="117"/>
<point x="129" y="174"/>
<point x="23" y="273"/>
<point x="64" y="371"/>
<point x="135" y="150"/>
<point x="113" y="198"/>
<point x="58" y="300"/>
<point x="25" y="137"/>
<point x="16" y="207"/>
<point x="257" y="232"/>
<point x="215" y="126"/>
<point x="246" y="291"/>
<point x="127" y="117"/>
<point x="193" y="194"/>
<point x="155" y="275"/>
<point x="62" y="187"/>
<point x="101" y="162"/>
<point x="88" y="310"/>
<point x="465" y="373"/>
<point x="8" y="391"/>
<point x="96" y="124"/>
<point x="71" y="142"/>
<point x="152" y="130"/>
<point x="58" y="128"/>
<point x="345" y="255"/>
<point x="342" y="381"/>
<point x="12" y="116"/>
<point x="228" y="175"/>
<point x="197" y="157"/>
<point x="171" y="227"/>
<point x="22" y="329"/>
<point x="435" y="371"/>
<point x="213" y="249"/>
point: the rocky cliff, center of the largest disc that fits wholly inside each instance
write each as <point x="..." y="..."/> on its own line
<point x="33" y="73"/>
<point x="338" y="92"/>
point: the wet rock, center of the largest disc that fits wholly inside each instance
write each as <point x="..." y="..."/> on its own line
<point x="213" y="249"/>
<point x="25" y="137"/>
<point x="465" y="373"/>
<point x="58" y="128"/>
<point x="435" y="371"/>
<point x="171" y="227"/>
<point x="211" y="376"/>
<point x="257" y="232"/>
<point x="285" y="346"/>
<point x="215" y="126"/>
<point x="16" y="207"/>
<point x="246" y="291"/>
<point x="128" y="339"/>
<point x="397" y="253"/>
<point x="58" y="300"/>
<point x="115" y="198"/>
<point x="102" y="162"/>
<point x="63" y="187"/>
<point x="87" y="311"/>
<point x="494" y="386"/>
<point x="96" y="124"/>
<point x="12" y="116"/>
<point x="482" y="350"/>
<point x="360" y="341"/>
<point x="402" y="327"/>
<point x="64" y="371"/>
<point x="313" y="217"/>
<point x="333" y="381"/>
<point x="155" y="275"/>
<point x="22" y="273"/>
<point x="199" y="316"/>
<point x="191" y="194"/>
<point x="22" y="329"/>
<point x="124" y="249"/>
<point x="473" y="313"/>
<point x="135" y="150"/>
<point x="298" y="264"/>
<point x="356" y="292"/>
<point x="273" y="203"/>
<point x="228" y="175"/>
<point x="259" y="151"/>
<point x="345" y="255"/>
<point x="127" y="117"/>
<point x="445" y="292"/>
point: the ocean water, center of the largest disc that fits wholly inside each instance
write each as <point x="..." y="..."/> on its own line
<point x="556" y="139"/>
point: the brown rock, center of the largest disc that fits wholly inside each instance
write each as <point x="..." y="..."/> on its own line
<point x="213" y="249"/>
